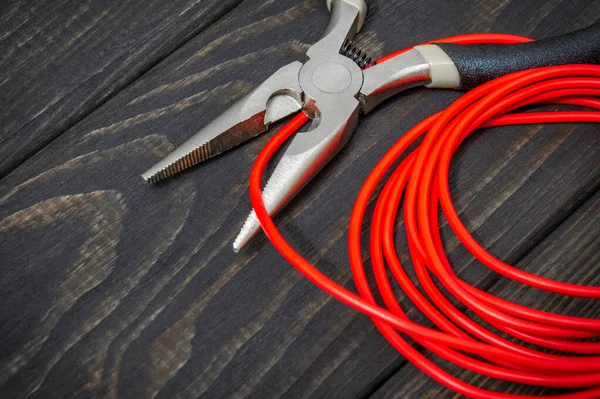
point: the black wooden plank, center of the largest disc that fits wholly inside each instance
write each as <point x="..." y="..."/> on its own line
<point x="60" y="59"/>
<point x="121" y="289"/>
<point x="569" y="254"/>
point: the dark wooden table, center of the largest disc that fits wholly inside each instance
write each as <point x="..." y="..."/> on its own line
<point x="111" y="288"/>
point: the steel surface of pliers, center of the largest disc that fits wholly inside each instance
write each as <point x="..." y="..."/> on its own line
<point x="333" y="90"/>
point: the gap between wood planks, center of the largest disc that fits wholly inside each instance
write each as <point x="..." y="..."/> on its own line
<point x="82" y="113"/>
<point x="547" y="231"/>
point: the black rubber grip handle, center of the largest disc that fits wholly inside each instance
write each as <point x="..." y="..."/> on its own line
<point x="480" y="63"/>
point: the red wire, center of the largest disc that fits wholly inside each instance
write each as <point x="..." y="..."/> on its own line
<point x="421" y="180"/>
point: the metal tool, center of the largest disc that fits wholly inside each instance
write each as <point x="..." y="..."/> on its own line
<point x="338" y="83"/>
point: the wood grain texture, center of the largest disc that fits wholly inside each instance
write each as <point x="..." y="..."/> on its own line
<point x="569" y="254"/>
<point x="118" y="289"/>
<point x="60" y="59"/>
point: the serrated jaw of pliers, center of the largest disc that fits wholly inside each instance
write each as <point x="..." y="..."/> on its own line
<point x="279" y="96"/>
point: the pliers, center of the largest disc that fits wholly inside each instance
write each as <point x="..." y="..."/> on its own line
<point x="338" y="83"/>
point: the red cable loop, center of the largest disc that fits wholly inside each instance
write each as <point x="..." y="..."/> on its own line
<point x="421" y="180"/>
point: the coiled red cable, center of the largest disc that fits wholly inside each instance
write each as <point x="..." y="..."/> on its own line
<point x="421" y="179"/>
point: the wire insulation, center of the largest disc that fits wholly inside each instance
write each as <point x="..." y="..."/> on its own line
<point x="421" y="180"/>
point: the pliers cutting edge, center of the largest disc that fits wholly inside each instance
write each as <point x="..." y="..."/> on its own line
<point x="333" y="90"/>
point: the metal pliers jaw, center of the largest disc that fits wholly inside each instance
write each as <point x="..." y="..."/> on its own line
<point x="330" y="88"/>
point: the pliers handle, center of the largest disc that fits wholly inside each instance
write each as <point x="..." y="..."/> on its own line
<point x="334" y="91"/>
